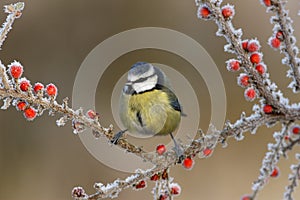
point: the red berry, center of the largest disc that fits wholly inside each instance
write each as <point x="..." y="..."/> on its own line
<point x="246" y="197"/>
<point x="155" y="177"/>
<point x="275" y="43"/>
<point x="188" y="163"/>
<point x="163" y="197"/>
<point x="261" y="68"/>
<point x="245" y="45"/>
<point x="253" y="46"/>
<point x="243" y="80"/>
<point x="204" y="12"/>
<point x="267" y="2"/>
<point x="296" y="130"/>
<point x="279" y="35"/>
<point x="287" y="137"/>
<point x="268" y="109"/>
<point x="175" y="189"/>
<point x="255" y="58"/>
<point x="233" y="65"/>
<point x="24" y="85"/>
<point x="161" y="149"/>
<point x="250" y="94"/>
<point x="207" y="151"/>
<point x="227" y="11"/>
<point x="38" y="87"/>
<point x="92" y="114"/>
<point x="275" y="172"/>
<point x="16" y="70"/>
<point x="21" y="105"/>
<point x="140" y="185"/>
<point x="78" y="127"/>
<point x="30" y="113"/>
<point x="51" y="90"/>
<point x="78" y="192"/>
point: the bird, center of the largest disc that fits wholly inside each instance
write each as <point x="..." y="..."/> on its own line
<point x="148" y="106"/>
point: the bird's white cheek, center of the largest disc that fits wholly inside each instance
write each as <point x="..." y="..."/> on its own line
<point x="144" y="86"/>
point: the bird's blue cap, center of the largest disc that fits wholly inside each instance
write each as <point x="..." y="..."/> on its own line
<point x="138" y="64"/>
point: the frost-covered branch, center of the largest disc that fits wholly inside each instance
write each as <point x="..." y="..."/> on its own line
<point x="293" y="178"/>
<point x="284" y="39"/>
<point x="256" y="80"/>
<point x="249" y="58"/>
<point x="254" y="121"/>
<point x="268" y="168"/>
<point x="33" y="100"/>
<point x="14" y="11"/>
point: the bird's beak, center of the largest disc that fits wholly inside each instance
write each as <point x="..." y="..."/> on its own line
<point x="127" y="89"/>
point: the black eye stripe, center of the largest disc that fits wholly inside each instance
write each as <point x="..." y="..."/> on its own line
<point x="140" y="80"/>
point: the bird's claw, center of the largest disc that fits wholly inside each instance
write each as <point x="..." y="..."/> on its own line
<point x="117" y="136"/>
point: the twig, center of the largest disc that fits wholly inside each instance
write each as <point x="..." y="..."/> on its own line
<point x="270" y="160"/>
<point x="283" y="25"/>
<point x="14" y="11"/>
<point x="293" y="178"/>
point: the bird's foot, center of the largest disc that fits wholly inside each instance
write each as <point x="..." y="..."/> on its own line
<point x="178" y="149"/>
<point x="117" y="136"/>
<point x="179" y="152"/>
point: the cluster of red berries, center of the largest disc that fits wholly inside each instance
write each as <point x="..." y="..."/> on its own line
<point x="15" y="70"/>
<point x="276" y="39"/>
<point x="252" y="48"/>
<point x="187" y="162"/>
<point x="205" y="13"/>
<point x="174" y="188"/>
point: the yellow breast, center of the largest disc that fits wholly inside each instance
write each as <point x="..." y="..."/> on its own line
<point x="149" y="113"/>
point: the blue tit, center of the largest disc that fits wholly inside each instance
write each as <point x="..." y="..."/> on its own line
<point x="147" y="104"/>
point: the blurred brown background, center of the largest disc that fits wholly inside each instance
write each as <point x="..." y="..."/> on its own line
<point x="38" y="160"/>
